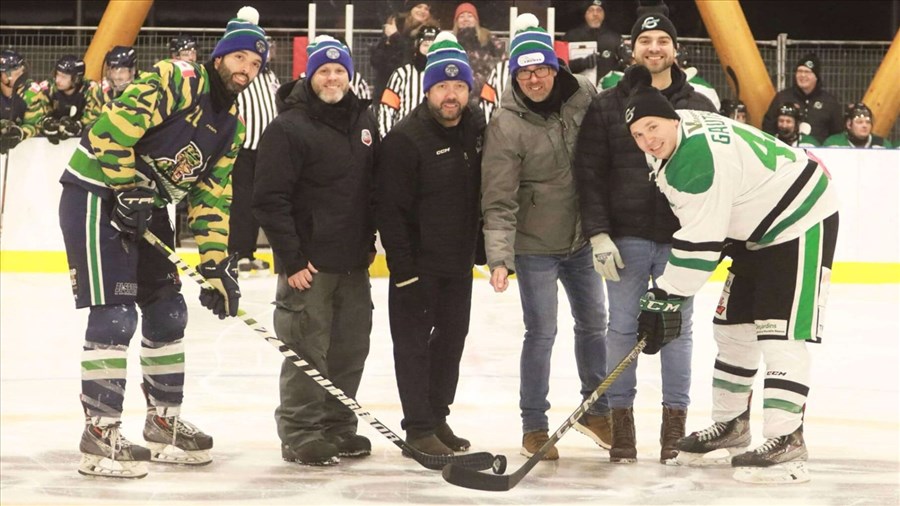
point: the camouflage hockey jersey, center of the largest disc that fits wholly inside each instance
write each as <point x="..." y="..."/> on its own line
<point x="25" y="107"/>
<point x="164" y="133"/>
<point x="727" y="181"/>
<point x="99" y="95"/>
<point x="58" y="105"/>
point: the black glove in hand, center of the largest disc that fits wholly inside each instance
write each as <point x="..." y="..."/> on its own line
<point x="660" y="319"/>
<point x="69" y="127"/>
<point x="50" y="129"/>
<point x="224" y="300"/>
<point x="11" y="135"/>
<point x="133" y="211"/>
<point x="581" y="64"/>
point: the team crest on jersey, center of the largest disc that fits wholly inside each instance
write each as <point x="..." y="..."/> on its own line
<point x="187" y="70"/>
<point x="185" y="167"/>
<point x="366" y="137"/>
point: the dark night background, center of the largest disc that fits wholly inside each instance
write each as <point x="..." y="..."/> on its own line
<point x="800" y="19"/>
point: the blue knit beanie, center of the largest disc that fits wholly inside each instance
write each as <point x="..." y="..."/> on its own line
<point x="531" y="45"/>
<point x="446" y="61"/>
<point x="326" y="49"/>
<point x="243" y="32"/>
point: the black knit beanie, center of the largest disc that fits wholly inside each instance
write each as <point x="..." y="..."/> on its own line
<point x="644" y="100"/>
<point x="653" y="21"/>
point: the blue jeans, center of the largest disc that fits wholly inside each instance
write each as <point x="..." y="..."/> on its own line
<point x="645" y="259"/>
<point x="538" y="275"/>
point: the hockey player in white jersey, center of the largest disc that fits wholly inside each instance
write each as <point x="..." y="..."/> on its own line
<point x="738" y="191"/>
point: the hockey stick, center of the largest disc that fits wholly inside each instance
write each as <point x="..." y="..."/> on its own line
<point x="3" y="195"/>
<point x="480" y="460"/>
<point x="469" y="478"/>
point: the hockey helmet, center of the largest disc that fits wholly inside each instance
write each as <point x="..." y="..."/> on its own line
<point x="730" y="108"/>
<point x="624" y="55"/>
<point x="10" y="59"/>
<point x="121" y="56"/>
<point x="70" y="64"/>
<point x="182" y="43"/>
<point x="789" y="109"/>
<point x="426" y="33"/>
<point x="857" y="110"/>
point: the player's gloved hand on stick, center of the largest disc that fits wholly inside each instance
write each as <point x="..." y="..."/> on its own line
<point x="69" y="127"/>
<point x="660" y="319"/>
<point x="224" y="300"/>
<point x="50" y="129"/>
<point x="11" y="135"/>
<point x="132" y="213"/>
<point x="606" y="257"/>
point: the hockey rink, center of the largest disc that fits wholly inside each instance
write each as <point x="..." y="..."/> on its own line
<point x="852" y="428"/>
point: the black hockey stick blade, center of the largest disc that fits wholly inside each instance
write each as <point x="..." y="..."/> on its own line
<point x="469" y="478"/>
<point x="478" y="460"/>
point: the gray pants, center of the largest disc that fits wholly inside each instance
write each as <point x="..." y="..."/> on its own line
<point x="329" y="326"/>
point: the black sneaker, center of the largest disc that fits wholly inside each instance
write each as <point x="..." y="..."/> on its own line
<point x="351" y="445"/>
<point x="314" y="453"/>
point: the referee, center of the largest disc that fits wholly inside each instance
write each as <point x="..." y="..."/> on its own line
<point x="256" y="104"/>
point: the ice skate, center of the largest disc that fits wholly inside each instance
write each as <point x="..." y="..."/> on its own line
<point x="105" y="452"/>
<point x="732" y="436"/>
<point x="254" y="267"/>
<point x="174" y="441"/>
<point x="779" y="460"/>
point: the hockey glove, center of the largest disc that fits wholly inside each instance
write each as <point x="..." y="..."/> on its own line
<point x="660" y="319"/>
<point x="11" y="135"/>
<point x="133" y="211"/>
<point x="606" y="257"/>
<point x="50" y="129"/>
<point x="224" y="300"/>
<point x="69" y="127"/>
<point x="581" y="64"/>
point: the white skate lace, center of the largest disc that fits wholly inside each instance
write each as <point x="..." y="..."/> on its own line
<point x="178" y="425"/>
<point x="769" y="445"/>
<point x="712" y="431"/>
<point x="116" y="440"/>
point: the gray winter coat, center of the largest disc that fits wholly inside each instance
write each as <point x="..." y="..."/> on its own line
<point x="529" y="200"/>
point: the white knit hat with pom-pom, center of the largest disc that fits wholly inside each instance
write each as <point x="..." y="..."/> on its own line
<point x="243" y="33"/>
<point x="531" y="45"/>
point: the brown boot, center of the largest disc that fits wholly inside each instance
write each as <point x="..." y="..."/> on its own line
<point x="671" y="430"/>
<point x="596" y="427"/>
<point x="623" y="448"/>
<point x="533" y="441"/>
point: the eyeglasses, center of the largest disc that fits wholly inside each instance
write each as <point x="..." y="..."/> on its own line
<point x="525" y="74"/>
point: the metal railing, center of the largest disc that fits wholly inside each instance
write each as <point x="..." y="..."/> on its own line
<point x="847" y="66"/>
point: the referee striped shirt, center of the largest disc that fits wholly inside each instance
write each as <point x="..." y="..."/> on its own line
<point x="256" y="104"/>
<point x="404" y="91"/>
<point x="493" y="89"/>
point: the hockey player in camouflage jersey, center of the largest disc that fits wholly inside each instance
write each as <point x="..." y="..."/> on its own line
<point x="20" y="101"/>
<point x="65" y="98"/>
<point x="173" y="134"/>
<point x="773" y="210"/>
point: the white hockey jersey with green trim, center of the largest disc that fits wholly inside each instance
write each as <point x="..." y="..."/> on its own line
<point x="727" y="181"/>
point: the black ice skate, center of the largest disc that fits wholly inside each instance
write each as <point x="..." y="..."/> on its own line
<point x="779" y="460"/>
<point x="174" y="441"/>
<point x="106" y="452"/>
<point x="733" y="436"/>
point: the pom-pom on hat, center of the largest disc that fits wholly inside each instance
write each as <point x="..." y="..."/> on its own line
<point x="243" y="33"/>
<point x="653" y="21"/>
<point x="531" y="45"/>
<point x="644" y="100"/>
<point x="326" y="49"/>
<point x="446" y="61"/>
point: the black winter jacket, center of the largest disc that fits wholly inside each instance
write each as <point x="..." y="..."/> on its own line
<point x="429" y="186"/>
<point x="821" y="110"/>
<point x="313" y="193"/>
<point x="615" y="192"/>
